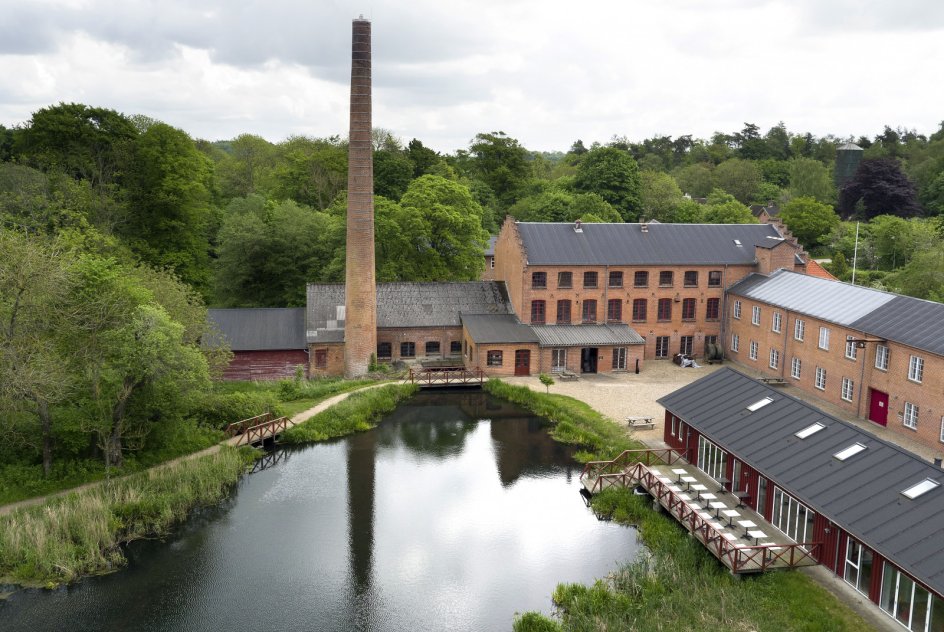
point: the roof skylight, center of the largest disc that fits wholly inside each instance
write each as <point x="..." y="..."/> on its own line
<point x="852" y="450"/>
<point x="921" y="488"/>
<point x="737" y="242"/>
<point x="760" y="404"/>
<point x="809" y="430"/>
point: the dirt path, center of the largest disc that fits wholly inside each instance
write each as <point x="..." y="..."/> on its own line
<point x="295" y="420"/>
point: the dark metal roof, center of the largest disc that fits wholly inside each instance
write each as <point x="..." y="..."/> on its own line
<point x="659" y="244"/>
<point x="862" y="494"/>
<point x="497" y="328"/>
<point x="910" y="321"/>
<point x="490" y="248"/>
<point x="587" y="335"/>
<point x="405" y="305"/>
<point x="261" y="329"/>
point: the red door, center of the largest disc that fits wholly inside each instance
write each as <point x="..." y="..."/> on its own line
<point x="522" y="362"/>
<point x="878" y="407"/>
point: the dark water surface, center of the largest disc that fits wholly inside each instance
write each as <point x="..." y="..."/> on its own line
<point x="455" y="513"/>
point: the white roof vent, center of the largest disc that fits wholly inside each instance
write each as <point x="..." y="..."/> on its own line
<point x="577" y="227"/>
<point x="809" y="430"/>
<point x="852" y="450"/>
<point x="921" y="488"/>
<point x="760" y="404"/>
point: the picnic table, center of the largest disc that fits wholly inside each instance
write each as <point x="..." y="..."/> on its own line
<point x="774" y="381"/>
<point x="645" y="422"/>
<point x="566" y="376"/>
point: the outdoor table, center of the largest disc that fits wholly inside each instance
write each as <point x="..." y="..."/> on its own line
<point x="673" y="488"/>
<point x="723" y="482"/>
<point x="706" y="497"/>
<point x="684" y="497"/>
<point x="730" y="537"/>
<point x="747" y="524"/>
<point x="741" y="496"/>
<point x="697" y="487"/>
<point x="730" y="514"/>
<point x="717" y="507"/>
<point x="757" y="535"/>
<point x="680" y="473"/>
<point x="688" y="480"/>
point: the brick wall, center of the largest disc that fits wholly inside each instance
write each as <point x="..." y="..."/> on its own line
<point x="477" y="357"/>
<point x="604" y="359"/>
<point x="419" y="336"/>
<point x="861" y="371"/>
<point x="488" y="274"/>
<point x="334" y="360"/>
<point x="783" y="255"/>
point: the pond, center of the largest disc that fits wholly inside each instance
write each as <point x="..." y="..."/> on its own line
<point x="455" y="513"/>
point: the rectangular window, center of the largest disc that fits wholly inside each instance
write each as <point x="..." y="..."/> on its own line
<point x="712" y="308"/>
<point x="824" y="338"/>
<point x="616" y="279"/>
<point x="737" y="309"/>
<point x="796" y="366"/>
<point x="686" y="343"/>
<point x="848" y="387"/>
<point x="589" y="311"/>
<point x="852" y="351"/>
<point x="911" y="416"/>
<point x="641" y="279"/>
<point x="858" y="571"/>
<point x="665" y="278"/>
<point x="614" y="310"/>
<point x="792" y="517"/>
<point x="494" y="358"/>
<point x="619" y="359"/>
<point x="942" y="430"/>
<point x="590" y="279"/>
<point x="820" y="381"/>
<point x="712" y="460"/>
<point x="881" y="357"/>
<point x="455" y="347"/>
<point x="563" y="312"/>
<point x="907" y="602"/>
<point x="662" y="346"/>
<point x="688" y="309"/>
<point x="558" y="359"/>
<point x="799" y="329"/>
<point x="321" y="358"/>
<point x="432" y="348"/>
<point x="537" y="312"/>
<point x="691" y="278"/>
<point x="778" y="322"/>
<point x="384" y="350"/>
<point x="735" y="342"/>
<point x="565" y="280"/>
<point x="664" y="309"/>
<point x="753" y="350"/>
<point x="539" y="280"/>
<point x="774" y="359"/>
<point x="755" y="315"/>
<point x="491" y="262"/>
<point x="714" y="278"/>
<point x="407" y="350"/>
<point x="916" y="369"/>
<point x="639" y="310"/>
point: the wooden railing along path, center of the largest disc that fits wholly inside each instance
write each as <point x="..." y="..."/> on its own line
<point x="242" y="426"/>
<point x="261" y="432"/>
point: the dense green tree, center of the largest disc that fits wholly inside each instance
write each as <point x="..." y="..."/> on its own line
<point x="723" y="208"/>
<point x="810" y="221"/>
<point x="660" y="195"/>
<point x="695" y="180"/>
<point x="168" y="186"/>
<point x="839" y="267"/>
<point x="740" y="178"/>
<point x="776" y="172"/>
<point x="777" y="144"/>
<point x="882" y="189"/>
<point x="810" y="178"/>
<point x="896" y="239"/>
<point x="500" y="162"/>
<point x="6" y="143"/>
<point x="613" y="175"/>
<point x="393" y="172"/>
<point x="923" y="277"/>
<point x="248" y="167"/>
<point x="311" y="171"/>
<point x="556" y="205"/>
<point x="423" y="158"/>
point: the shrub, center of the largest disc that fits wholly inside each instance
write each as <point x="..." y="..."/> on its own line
<point x="218" y="410"/>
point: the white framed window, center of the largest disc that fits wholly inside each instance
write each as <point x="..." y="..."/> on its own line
<point x="777" y="322"/>
<point x="795" y="367"/>
<point x="799" y="329"/>
<point x="774" y="359"/>
<point x="755" y="315"/>
<point x="881" y="357"/>
<point x="858" y="565"/>
<point x="851" y="351"/>
<point x="824" y="338"/>
<point x="753" y="352"/>
<point x="558" y="359"/>
<point x="906" y="601"/>
<point x="820" y="381"/>
<point x="711" y="458"/>
<point x="916" y="369"/>
<point x="735" y="342"/>
<point x="942" y="429"/>
<point x="911" y="416"/>
<point x="737" y="309"/>
<point x="792" y="517"/>
<point x="848" y="386"/>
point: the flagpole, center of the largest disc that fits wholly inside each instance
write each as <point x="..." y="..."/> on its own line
<point x="855" y="253"/>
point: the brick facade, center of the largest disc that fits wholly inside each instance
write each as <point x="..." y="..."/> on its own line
<point x="399" y="340"/>
<point x="856" y="398"/>
<point x="326" y="360"/>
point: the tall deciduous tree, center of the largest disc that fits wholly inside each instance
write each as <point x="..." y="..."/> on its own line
<point x="695" y="180"/>
<point x="811" y="178"/>
<point x="740" y="178"/>
<point x="613" y="175"/>
<point x="660" y="195"/>
<point x="722" y="208"/>
<point x="500" y="161"/>
<point x="810" y="221"/>
<point x="882" y="189"/>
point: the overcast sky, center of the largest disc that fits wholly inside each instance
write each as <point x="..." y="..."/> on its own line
<point x="544" y="71"/>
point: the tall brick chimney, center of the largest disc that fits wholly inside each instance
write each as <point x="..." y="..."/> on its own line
<point x="360" y="326"/>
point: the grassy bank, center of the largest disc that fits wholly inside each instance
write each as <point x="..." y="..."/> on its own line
<point x="574" y="421"/>
<point x="357" y="413"/>
<point x="80" y="533"/>
<point x="678" y="585"/>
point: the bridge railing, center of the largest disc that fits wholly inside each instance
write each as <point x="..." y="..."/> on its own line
<point x="446" y="377"/>
<point x="607" y="473"/>
<point x="263" y="431"/>
<point x="240" y="427"/>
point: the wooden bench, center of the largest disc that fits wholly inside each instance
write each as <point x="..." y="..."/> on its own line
<point x="642" y="423"/>
<point x="774" y="381"/>
<point x="567" y="376"/>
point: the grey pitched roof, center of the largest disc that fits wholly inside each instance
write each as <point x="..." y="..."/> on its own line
<point x="405" y="305"/>
<point x="586" y="335"/>
<point x="261" y="329"/>
<point x="490" y="248"/>
<point x="497" y="328"/>
<point x="837" y="302"/>
<point x="849" y="147"/>
<point x="910" y="321"/>
<point x="661" y="244"/>
<point x="862" y="494"/>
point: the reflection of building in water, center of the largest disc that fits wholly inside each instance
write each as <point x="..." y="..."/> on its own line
<point x="361" y="454"/>
<point x="525" y="448"/>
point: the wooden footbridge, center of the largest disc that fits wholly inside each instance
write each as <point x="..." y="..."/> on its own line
<point x="258" y="429"/>
<point x="447" y="377"/>
<point x="734" y="539"/>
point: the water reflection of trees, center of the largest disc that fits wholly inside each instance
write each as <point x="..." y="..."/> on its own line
<point x="524" y="448"/>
